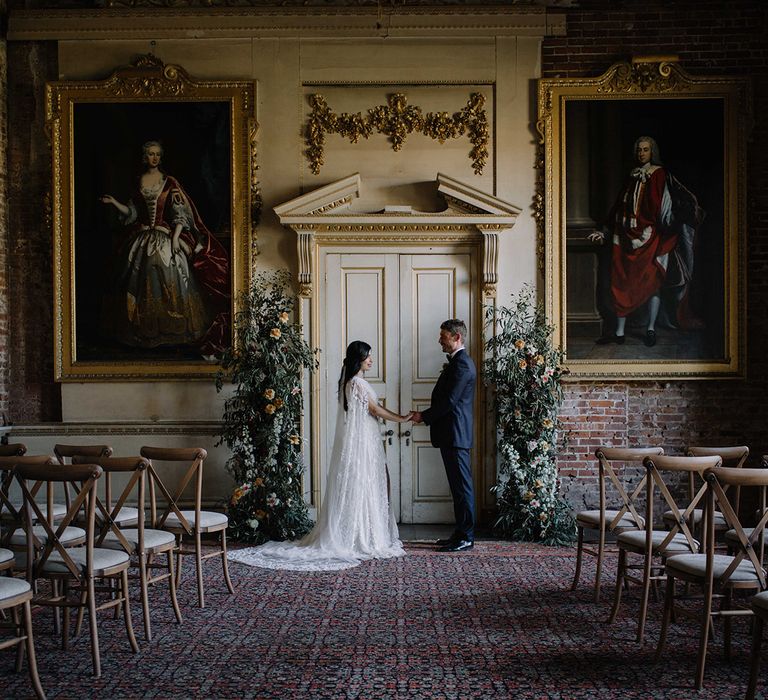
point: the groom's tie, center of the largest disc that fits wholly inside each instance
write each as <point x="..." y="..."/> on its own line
<point x="448" y="356"/>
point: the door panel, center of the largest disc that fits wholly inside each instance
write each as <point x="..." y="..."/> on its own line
<point x="433" y="288"/>
<point x="361" y="291"/>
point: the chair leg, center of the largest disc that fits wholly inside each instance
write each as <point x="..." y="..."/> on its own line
<point x="727" y="605"/>
<point x="127" y="611"/>
<point x="144" y="597"/>
<point x="754" y="667"/>
<point x="66" y="614"/>
<point x="705" y="624"/>
<point x="647" y="570"/>
<point x="81" y="612"/>
<point x="224" y="561"/>
<point x="16" y="618"/>
<point x="669" y="602"/>
<point x="172" y="586"/>
<point x="579" y="546"/>
<point x="91" y="600"/>
<point x="199" y="567"/>
<point x="599" y="570"/>
<point x="178" y="560"/>
<point x="31" y="658"/>
<point x="56" y="611"/>
<point x="620" y="569"/>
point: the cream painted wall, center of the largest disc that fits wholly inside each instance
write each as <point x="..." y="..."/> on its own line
<point x="353" y="75"/>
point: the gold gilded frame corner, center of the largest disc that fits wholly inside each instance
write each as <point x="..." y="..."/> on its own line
<point x="147" y="81"/>
<point x="658" y="79"/>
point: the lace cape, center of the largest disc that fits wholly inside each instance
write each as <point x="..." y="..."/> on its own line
<point x="355" y="521"/>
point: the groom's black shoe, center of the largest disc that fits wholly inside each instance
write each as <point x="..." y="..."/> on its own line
<point x="458" y="546"/>
<point x="453" y="539"/>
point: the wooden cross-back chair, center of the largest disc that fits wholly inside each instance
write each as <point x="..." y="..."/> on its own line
<point x="656" y="546"/>
<point x="623" y="516"/>
<point x="181" y="522"/>
<point x="144" y="544"/>
<point x="75" y="570"/>
<point x="719" y="575"/>
<point x="14" y="535"/>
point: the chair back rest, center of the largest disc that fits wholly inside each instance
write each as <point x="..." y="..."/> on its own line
<point x="65" y="454"/>
<point x="609" y="459"/>
<point x="657" y="468"/>
<point x="82" y="480"/>
<point x="9" y="511"/>
<point x="194" y="457"/>
<point x="14" y="449"/>
<point x="732" y="457"/>
<point x="107" y="515"/>
<point x="751" y="547"/>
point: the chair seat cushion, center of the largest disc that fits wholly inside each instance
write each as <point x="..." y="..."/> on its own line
<point x="760" y="601"/>
<point x="70" y="534"/>
<point x="59" y="509"/>
<point x="152" y="539"/>
<point x="126" y="516"/>
<point x="731" y="535"/>
<point x="5" y="555"/>
<point x="591" y="518"/>
<point x="103" y="559"/>
<point x="697" y="515"/>
<point x="208" y="518"/>
<point x="636" y="538"/>
<point x="696" y="565"/>
<point x="11" y="587"/>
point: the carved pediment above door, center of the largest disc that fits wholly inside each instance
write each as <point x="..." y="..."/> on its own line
<point x="328" y="215"/>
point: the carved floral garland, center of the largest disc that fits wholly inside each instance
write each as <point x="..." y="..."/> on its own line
<point x="398" y="119"/>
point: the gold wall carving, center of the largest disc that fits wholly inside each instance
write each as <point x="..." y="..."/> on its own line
<point x="397" y="119"/>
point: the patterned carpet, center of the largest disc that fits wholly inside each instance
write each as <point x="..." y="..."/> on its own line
<point x="494" y="622"/>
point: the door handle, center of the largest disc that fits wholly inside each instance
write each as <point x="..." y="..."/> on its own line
<point x="407" y="436"/>
<point x="389" y="435"/>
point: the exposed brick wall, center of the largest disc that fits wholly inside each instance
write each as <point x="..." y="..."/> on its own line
<point x="33" y="396"/>
<point x="711" y="38"/>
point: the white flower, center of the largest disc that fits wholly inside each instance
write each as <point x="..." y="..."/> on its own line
<point x="535" y="503"/>
<point x="253" y="524"/>
<point x="532" y="445"/>
<point x="272" y="500"/>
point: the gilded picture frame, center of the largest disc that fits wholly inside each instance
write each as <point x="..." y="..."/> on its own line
<point x="641" y="212"/>
<point x="154" y="204"/>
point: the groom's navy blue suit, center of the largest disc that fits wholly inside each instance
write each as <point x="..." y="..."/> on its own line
<point x="450" y="422"/>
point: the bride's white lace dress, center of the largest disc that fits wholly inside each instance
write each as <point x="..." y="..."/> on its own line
<point x="356" y="521"/>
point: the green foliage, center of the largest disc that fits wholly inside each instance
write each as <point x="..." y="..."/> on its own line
<point x="525" y="372"/>
<point x="261" y="419"/>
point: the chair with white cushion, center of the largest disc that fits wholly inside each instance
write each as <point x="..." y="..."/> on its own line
<point x="15" y="595"/>
<point x="615" y="466"/>
<point x="73" y="572"/>
<point x="143" y="544"/>
<point x="720" y="576"/>
<point x="655" y="545"/>
<point x="759" y="605"/>
<point x="194" y="522"/>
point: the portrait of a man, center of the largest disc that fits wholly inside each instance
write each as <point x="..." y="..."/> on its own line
<point x="645" y="238"/>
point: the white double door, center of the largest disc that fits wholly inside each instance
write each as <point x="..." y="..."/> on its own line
<point x="395" y="302"/>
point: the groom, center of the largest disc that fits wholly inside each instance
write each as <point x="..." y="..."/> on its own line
<point x="449" y="418"/>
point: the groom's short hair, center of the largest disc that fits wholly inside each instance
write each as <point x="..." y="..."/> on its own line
<point x="455" y="326"/>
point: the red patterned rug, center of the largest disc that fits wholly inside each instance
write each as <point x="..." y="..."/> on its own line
<point x="498" y="621"/>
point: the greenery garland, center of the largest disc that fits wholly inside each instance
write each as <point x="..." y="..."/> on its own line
<point x="525" y="370"/>
<point x="262" y="417"/>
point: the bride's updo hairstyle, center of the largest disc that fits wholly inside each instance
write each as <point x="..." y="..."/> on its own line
<point x="357" y="351"/>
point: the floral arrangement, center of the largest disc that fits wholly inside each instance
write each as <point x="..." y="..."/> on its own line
<point x="525" y="371"/>
<point x="261" y="418"/>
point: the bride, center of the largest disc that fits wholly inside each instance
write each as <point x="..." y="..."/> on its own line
<point x="355" y="521"/>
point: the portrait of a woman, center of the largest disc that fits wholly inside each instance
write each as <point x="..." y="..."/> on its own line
<point x="170" y="276"/>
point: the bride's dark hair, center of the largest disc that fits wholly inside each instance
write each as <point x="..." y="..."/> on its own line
<point x="357" y="351"/>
